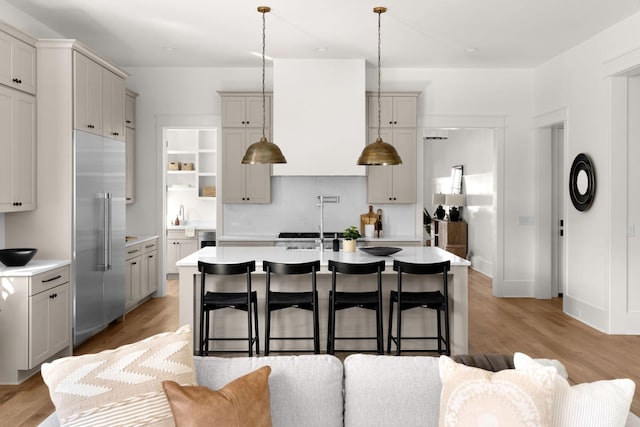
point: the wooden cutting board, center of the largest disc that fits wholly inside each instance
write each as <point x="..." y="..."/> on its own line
<point x="367" y="218"/>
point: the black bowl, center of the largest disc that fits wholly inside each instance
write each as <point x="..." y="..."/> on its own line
<point x="380" y="250"/>
<point x="16" y="257"/>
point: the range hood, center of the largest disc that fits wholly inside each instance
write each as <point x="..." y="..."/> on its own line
<point x="319" y="116"/>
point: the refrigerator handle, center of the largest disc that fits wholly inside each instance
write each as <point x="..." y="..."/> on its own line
<point x="107" y="230"/>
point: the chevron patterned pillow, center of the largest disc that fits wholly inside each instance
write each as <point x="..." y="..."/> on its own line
<point x="121" y="386"/>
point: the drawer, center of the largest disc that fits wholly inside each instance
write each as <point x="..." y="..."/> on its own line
<point x="50" y="279"/>
<point x="133" y="251"/>
<point x="149" y="246"/>
<point x="179" y="235"/>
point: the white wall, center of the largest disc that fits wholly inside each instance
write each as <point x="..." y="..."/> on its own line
<point x="472" y="148"/>
<point x="577" y="80"/>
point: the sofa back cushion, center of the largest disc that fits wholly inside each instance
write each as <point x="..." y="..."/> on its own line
<point x="391" y="391"/>
<point x="304" y="390"/>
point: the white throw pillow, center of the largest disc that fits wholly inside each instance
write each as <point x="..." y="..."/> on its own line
<point x="121" y="386"/>
<point x="596" y="404"/>
<point x="475" y="397"/>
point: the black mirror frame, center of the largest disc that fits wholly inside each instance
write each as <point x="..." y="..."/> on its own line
<point x="582" y="201"/>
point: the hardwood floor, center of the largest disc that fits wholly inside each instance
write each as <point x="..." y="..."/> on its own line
<point x="496" y="325"/>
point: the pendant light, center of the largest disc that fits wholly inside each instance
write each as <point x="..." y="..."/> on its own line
<point x="379" y="152"/>
<point x="263" y="151"/>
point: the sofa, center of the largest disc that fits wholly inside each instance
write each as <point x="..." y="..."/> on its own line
<point x="322" y="391"/>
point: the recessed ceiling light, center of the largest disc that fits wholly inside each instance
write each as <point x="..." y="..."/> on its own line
<point x="168" y="48"/>
<point x="322" y="49"/>
<point x="471" y="49"/>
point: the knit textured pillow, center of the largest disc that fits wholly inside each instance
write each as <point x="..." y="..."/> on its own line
<point x="121" y="386"/>
<point x="603" y="403"/>
<point x="475" y="397"/>
<point x="244" y="402"/>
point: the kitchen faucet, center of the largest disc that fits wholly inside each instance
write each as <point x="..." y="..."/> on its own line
<point x="323" y="200"/>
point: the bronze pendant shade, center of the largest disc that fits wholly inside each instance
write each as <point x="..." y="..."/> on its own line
<point x="263" y="151"/>
<point x="379" y="153"/>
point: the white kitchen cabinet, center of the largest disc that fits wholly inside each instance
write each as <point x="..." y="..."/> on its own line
<point x="17" y="60"/>
<point x="18" y="146"/>
<point x="245" y="110"/>
<point x="398" y="118"/>
<point x="141" y="264"/>
<point x="178" y="247"/>
<point x="241" y="127"/>
<point x="130" y="144"/>
<point x="113" y="105"/>
<point x="35" y="320"/>
<point x="87" y="94"/>
<point x="99" y="98"/>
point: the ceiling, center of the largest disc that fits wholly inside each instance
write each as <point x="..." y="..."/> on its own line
<point x="415" y="33"/>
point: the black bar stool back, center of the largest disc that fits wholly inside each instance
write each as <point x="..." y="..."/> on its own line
<point x="211" y="301"/>
<point x="341" y="300"/>
<point x="436" y="300"/>
<point x="307" y="300"/>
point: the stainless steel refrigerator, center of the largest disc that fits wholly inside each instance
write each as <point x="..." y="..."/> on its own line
<point x="99" y="233"/>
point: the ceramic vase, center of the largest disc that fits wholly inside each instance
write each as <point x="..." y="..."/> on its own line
<point x="349" y="245"/>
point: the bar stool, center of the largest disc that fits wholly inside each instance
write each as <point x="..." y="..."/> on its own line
<point x="211" y="301"/>
<point x="371" y="300"/>
<point x="302" y="300"/>
<point x="435" y="300"/>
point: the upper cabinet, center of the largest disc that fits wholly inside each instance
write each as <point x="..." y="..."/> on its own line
<point x="17" y="121"/>
<point x="241" y="127"/>
<point x="99" y="98"/>
<point x="17" y="61"/>
<point x="18" y="148"/>
<point x="130" y="141"/>
<point x="245" y="111"/>
<point x="398" y="127"/>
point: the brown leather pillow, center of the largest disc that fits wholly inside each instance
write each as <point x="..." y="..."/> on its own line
<point x="244" y="402"/>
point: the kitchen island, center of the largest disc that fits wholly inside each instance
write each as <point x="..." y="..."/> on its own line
<point x="352" y="322"/>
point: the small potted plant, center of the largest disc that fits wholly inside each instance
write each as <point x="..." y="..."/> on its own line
<point x="351" y="234"/>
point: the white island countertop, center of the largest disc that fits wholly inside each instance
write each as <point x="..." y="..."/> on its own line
<point x="232" y="254"/>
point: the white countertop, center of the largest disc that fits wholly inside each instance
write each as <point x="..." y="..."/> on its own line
<point x="196" y="223"/>
<point x="33" y="267"/>
<point x="274" y="237"/>
<point x="138" y="240"/>
<point x="230" y="254"/>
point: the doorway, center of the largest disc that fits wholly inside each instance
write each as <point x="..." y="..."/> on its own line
<point x="558" y="189"/>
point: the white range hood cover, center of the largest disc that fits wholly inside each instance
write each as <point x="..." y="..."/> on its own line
<point x="319" y="116"/>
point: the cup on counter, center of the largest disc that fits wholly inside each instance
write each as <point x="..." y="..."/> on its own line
<point x="369" y="230"/>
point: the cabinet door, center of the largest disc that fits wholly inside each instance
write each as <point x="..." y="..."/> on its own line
<point x="173" y="253"/>
<point x="133" y="281"/>
<point x="150" y="272"/>
<point x="257" y="178"/>
<point x="60" y="319"/>
<point x="380" y="178"/>
<point x="130" y="150"/>
<point x="18" y="144"/>
<point x="17" y="64"/>
<point x="113" y="105"/>
<point x="386" y="111"/>
<point x="253" y="111"/>
<point x="405" y="113"/>
<point x="404" y="176"/>
<point x="39" y="306"/>
<point x="87" y="95"/>
<point x="130" y="111"/>
<point x="233" y="149"/>
<point x="187" y="247"/>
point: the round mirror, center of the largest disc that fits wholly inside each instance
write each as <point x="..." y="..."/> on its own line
<point x="582" y="182"/>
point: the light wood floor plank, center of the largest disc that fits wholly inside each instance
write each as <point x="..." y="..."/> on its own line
<point x="538" y="328"/>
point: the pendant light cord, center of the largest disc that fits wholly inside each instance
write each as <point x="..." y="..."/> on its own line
<point x="264" y="114"/>
<point x="379" y="66"/>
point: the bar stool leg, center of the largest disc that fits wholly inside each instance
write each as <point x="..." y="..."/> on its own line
<point x="439" y="313"/>
<point x="316" y="325"/>
<point x="255" y="315"/>
<point x="267" y="327"/>
<point x="389" y="333"/>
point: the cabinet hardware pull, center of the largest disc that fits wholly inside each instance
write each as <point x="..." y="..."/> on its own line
<point x="90" y="126"/>
<point x="128" y="121"/>
<point x="133" y="251"/>
<point x="148" y="246"/>
<point x="133" y="263"/>
<point x="52" y="279"/>
<point x="115" y="133"/>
